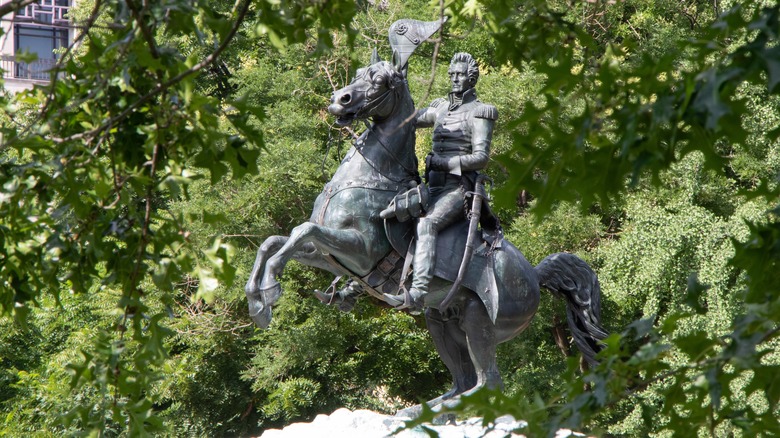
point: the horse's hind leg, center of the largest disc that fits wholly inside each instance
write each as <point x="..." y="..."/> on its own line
<point x="481" y="339"/>
<point x="450" y="342"/>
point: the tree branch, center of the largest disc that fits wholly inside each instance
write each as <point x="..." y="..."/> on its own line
<point x="14" y="5"/>
<point x="165" y="85"/>
<point x="145" y="32"/>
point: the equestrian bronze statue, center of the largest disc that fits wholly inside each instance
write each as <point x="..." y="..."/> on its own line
<point x="479" y="289"/>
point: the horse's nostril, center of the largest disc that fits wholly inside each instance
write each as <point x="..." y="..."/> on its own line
<point x="345" y="98"/>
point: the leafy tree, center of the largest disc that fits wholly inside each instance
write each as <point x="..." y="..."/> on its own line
<point x="135" y="188"/>
<point x="661" y="133"/>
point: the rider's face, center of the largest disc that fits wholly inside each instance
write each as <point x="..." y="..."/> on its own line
<point x="459" y="77"/>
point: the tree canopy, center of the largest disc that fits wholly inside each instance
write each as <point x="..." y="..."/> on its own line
<point x="176" y="135"/>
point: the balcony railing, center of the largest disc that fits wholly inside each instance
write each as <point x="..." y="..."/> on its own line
<point x="37" y="70"/>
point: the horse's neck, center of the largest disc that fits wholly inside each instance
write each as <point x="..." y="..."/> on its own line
<point x="395" y="135"/>
<point x="385" y="151"/>
<point x="401" y="122"/>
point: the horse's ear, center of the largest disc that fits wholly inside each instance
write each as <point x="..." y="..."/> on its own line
<point x="397" y="61"/>
<point x="375" y="57"/>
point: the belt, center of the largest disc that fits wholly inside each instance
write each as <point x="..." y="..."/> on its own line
<point x="441" y="179"/>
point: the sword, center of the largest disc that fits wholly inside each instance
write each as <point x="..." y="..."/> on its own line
<point x="476" y="208"/>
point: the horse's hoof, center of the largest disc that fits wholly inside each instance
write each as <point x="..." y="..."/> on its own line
<point x="260" y="313"/>
<point x="271" y="294"/>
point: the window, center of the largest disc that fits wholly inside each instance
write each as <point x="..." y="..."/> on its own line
<point x="41" y="41"/>
<point x="45" y="11"/>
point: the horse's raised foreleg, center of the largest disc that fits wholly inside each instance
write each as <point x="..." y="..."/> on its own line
<point x="260" y="300"/>
<point x="268" y="248"/>
<point x="308" y="255"/>
<point x="259" y="311"/>
<point x="347" y="245"/>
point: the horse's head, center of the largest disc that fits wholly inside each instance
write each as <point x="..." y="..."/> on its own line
<point x="373" y="93"/>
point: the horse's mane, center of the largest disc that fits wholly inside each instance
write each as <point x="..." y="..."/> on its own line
<point x="393" y="77"/>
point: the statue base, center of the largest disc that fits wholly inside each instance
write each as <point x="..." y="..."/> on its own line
<point x="344" y="423"/>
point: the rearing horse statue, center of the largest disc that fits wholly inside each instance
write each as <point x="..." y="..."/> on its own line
<point x="346" y="236"/>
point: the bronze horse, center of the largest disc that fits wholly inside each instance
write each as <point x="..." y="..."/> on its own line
<point x="346" y="236"/>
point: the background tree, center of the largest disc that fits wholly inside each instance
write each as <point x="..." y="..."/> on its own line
<point x="177" y="136"/>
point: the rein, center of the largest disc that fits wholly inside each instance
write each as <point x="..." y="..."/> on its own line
<point x="411" y="172"/>
<point x="359" y="150"/>
<point x="362" y="112"/>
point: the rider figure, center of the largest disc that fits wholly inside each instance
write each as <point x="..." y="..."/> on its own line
<point x="462" y="132"/>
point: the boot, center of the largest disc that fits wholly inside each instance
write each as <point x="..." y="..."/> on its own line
<point x="424" y="264"/>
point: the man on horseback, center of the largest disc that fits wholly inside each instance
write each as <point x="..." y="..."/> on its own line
<point x="500" y="297"/>
<point x="462" y="133"/>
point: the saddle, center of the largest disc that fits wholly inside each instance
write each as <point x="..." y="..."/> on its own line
<point x="450" y="246"/>
<point x="386" y="277"/>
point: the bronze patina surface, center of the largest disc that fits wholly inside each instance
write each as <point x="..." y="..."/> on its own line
<point x="354" y="229"/>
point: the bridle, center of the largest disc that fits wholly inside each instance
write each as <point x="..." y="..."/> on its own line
<point x="393" y="89"/>
<point x="395" y="83"/>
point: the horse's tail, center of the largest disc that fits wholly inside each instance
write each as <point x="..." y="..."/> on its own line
<point x="569" y="277"/>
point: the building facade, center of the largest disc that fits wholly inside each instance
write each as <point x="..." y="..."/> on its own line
<point x="41" y="28"/>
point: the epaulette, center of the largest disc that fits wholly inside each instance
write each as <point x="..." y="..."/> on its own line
<point x="437" y="102"/>
<point x="485" y="111"/>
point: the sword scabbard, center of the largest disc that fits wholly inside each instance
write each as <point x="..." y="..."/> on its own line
<point x="476" y="207"/>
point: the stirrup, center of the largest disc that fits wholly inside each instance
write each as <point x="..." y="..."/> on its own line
<point x="327" y="298"/>
<point x="398" y="302"/>
<point x="408" y="302"/>
<point x="344" y="298"/>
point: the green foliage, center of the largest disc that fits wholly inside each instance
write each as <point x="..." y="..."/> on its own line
<point x="689" y="367"/>
<point x="563" y="230"/>
<point x="316" y="360"/>
<point x="636" y="111"/>
<point x="91" y="165"/>
<point x="135" y="189"/>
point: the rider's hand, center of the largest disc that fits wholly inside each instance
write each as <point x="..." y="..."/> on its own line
<point x="439" y="163"/>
